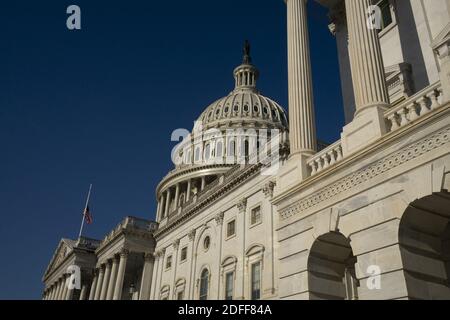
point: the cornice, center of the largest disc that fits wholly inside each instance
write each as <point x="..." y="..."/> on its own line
<point x="222" y="189"/>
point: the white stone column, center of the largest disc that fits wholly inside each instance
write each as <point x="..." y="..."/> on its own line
<point x="105" y="280"/>
<point x="302" y="127"/>
<point x="98" y="290"/>
<point x="147" y="276"/>
<point x="155" y="277"/>
<point x="166" y="211"/>
<point x="83" y="293"/>
<point x="65" y="289"/>
<point x="93" y="286"/>
<point x="188" y="191"/>
<point x="112" y="279"/>
<point x="177" y="194"/>
<point x="121" y="274"/>
<point x="57" y="289"/>
<point x="162" y="208"/>
<point x="69" y="293"/>
<point x="366" y="60"/>
<point x="158" y="209"/>
<point x="50" y="293"/>
<point x="369" y="80"/>
<point x="203" y="183"/>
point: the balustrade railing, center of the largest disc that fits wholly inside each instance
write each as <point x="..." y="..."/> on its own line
<point x="414" y="108"/>
<point x="325" y="158"/>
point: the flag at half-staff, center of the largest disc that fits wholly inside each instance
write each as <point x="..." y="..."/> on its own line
<point x="87" y="215"/>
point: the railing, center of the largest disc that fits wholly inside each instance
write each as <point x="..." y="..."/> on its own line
<point x="326" y="158"/>
<point x="414" y="108"/>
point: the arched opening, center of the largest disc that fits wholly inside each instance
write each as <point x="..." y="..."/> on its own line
<point x="424" y="237"/>
<point x="331" y="269"/>
<point x="204" y="284"/>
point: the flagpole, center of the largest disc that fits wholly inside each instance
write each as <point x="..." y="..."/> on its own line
<point x="84" y="212"/>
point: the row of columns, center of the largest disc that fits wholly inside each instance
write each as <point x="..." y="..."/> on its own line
<point x="108" y="279"/>
<point x="366" y="62"/>
<point x="59" y="290"/>
<point x="166" y="201"/>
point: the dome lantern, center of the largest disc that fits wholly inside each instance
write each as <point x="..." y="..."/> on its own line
<point x="246" y="74"/>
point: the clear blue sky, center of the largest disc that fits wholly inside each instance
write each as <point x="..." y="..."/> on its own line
<point x="99" y="105"/>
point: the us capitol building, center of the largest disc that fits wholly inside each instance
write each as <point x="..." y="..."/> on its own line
<point x="366" y="217"/>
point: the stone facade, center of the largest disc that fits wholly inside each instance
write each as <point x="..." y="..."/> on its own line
<point x="363" y="218"/>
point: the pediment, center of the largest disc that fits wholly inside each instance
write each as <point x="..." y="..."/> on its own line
<point x="65" y="247"/>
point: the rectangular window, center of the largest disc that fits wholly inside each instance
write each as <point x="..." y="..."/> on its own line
<point x="231" y="228"/>
<point x="229" y="285"/>
<point x="169" y="262"/>
<point x="183" y="254"/>
<point x="256" y="281"/>
<point x="255" y="216"/>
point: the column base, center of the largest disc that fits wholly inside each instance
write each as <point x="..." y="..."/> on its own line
<point x="368" y="126"/>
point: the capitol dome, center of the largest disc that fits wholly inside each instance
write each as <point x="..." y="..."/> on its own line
<point x="233" y="129"/>
<point x="245" y="105"/>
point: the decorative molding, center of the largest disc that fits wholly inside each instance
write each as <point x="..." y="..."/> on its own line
<point x="268" y="189"/>
<point x="191" y="235"/>
<point x="149" y="257"/>
<point x="357" y="178"/>
<point x="124" y="253"/>
<point x="176" y="244"/>
<point x="242" y="205"/>
<point x="235" y="177"/>
<point x="219" y="218"/>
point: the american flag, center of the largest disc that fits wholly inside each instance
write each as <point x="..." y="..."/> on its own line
<point x="87" y="215"/>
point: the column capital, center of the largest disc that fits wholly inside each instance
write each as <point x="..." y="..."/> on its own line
<point x="242" y="205"/>
<point x="149" y="257"/>
<point x="219" y="218"/>
<point x="191" y="235"/>
<point x="176" y="244"/>
<point x="124" y="253"/>
<point x="268" y="189"/>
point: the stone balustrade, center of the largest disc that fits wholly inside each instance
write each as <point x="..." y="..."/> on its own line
<point x="414" y="108"/>
<point x="325" y="158"/>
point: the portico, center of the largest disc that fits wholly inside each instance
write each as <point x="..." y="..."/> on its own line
<point x="124" y="260"/>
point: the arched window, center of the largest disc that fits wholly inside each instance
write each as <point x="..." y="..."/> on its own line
<point x="204" y="284"/>
<point x="197" y="154"/>
<point x="219" y="149"/>
<point x="245" y="149"/>
<point x="231" y="148"/>
<point x="207" y="152"/>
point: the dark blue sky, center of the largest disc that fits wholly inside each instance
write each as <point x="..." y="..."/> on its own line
<point x="99" y="105"/>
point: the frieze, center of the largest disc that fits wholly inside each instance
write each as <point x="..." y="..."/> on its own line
<point x="357" y="178"/>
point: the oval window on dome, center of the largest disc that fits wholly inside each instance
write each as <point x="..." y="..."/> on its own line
<point x="274" y="114"/>
<point x="236" y="108"/>
<point x="266" y="111"/>
<point x="246" y="108"/>
<point x="255" y="109"/>
<point x="218" y="111"/>
<point x="227" y="109"/>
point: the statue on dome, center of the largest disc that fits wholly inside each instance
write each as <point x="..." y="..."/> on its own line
<point x="247" y="57"/>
